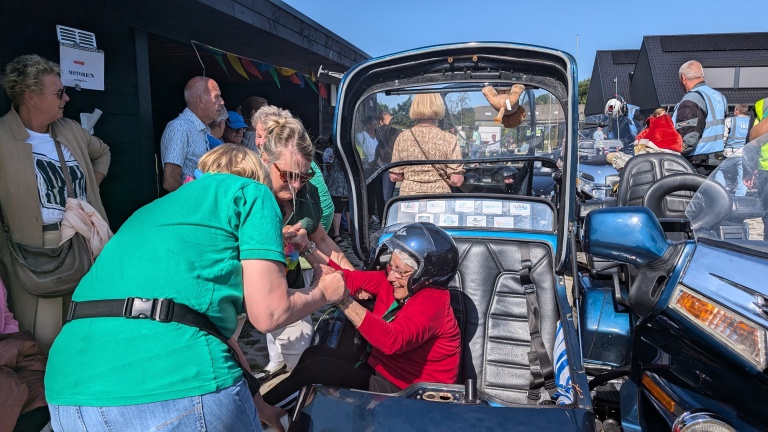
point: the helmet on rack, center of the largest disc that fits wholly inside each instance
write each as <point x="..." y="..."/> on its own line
<point x="433" y="249"/>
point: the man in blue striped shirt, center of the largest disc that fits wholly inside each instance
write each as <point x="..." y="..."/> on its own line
<point x="185" y="137"/>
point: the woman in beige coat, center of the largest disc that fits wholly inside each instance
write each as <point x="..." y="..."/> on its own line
<point x="32" y="188"/>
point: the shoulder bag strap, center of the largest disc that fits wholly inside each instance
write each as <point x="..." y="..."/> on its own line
<point x="442" y="175"/>
<point x="64" y="168"/>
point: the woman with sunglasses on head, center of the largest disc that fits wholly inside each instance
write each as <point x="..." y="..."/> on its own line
<point x="287" y="152"/>
<point x="412" y="331"/>
<point x="33" y="190"/>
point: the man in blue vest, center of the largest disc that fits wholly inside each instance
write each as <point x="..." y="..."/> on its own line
<point x="735" y="136"/>
<point x="700" y="118"/>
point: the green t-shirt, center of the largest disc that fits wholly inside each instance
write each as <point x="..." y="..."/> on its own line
<point x="186" y="246"/>
<point x="326" y="202"/>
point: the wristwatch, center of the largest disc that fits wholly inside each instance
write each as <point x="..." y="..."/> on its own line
<point x="345" y="301"/>
<point x="309" y="249"/>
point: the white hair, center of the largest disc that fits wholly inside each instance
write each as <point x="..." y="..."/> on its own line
<point x="409" y="260"/>
<point x="691" y="70"/>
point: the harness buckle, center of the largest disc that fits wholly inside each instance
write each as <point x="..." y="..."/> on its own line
<point x="160" y="310"/>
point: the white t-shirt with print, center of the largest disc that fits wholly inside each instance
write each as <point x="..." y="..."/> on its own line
<point x="51" y="187"/>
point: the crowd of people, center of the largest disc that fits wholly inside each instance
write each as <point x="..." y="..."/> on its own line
<point x="247" y="210"/>
<point x="249" y="229"/>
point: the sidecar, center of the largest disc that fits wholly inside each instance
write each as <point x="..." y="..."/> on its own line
<point x="504" y="222"/>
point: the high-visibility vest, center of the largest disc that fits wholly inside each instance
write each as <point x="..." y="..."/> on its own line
<point x="711" y="140"/>
<point x="737" y="135"/>
<point x="760" y="110"/>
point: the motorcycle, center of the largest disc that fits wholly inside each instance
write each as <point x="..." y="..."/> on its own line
<point x="676" y="313"/>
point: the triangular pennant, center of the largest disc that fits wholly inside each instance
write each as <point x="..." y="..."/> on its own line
<point x="312" y="84"/>
<point x="285" y="71"/>
<point x="221" y="62"/>
<point x="263" y="66"/>
<point x="235" y="61"/>
<point x="250" y="67"/>
<point x="273" y="72"/>
<point x="295" y="79"/>
<point x="323" y="91"/>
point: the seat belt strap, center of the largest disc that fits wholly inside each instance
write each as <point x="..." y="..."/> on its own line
<point x="542" y="371"/>
<point x="160" y="310"/>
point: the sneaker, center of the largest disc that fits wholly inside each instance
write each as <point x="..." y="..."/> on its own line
<point x="374" y="220"/>
<point x="266" y="375"/>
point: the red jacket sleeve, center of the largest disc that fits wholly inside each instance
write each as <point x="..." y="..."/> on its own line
<point x="419" y="320"/>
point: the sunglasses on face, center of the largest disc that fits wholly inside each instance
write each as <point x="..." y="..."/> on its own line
<point x="59" y="93"/>
<point x="289" y="176"/>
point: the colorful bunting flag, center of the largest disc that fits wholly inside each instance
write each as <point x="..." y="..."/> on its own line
<point x="235" y="62"/>
<point x="250" y="67"/>
<point x="255" y="68"/>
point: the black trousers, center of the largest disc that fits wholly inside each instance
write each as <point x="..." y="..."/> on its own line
<point x="762" y="192"/>
<point x="322" y="365"/>
<point x="375" y="192"/>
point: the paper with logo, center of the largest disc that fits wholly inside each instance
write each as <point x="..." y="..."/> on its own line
<point x="81" y="66"/>
<point x="448" y="220"/>
<point x="519" y="209"/>
<point x="409" y="207"/>
<point x="492" y="207"/>
<point x="465" y="206"/>
<point x="424" y="217"/>
<point x="503" y="222"/>
<point x="436" y="206"/>
<point x="475" y="221"/>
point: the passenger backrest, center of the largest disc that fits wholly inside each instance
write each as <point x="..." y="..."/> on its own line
<point x="490" y="306"/>
<point x="642" y="170"/>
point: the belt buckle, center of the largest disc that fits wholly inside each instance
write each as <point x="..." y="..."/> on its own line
<point x="160" y="310"/>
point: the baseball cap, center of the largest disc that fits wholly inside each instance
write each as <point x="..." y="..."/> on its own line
<point x="235" y="121"/>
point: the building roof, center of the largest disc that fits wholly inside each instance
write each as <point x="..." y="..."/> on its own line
<point x="731" y="55"/>
<point x="610" y="65"/>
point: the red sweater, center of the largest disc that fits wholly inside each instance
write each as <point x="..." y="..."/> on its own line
<point x="421" y="344"/>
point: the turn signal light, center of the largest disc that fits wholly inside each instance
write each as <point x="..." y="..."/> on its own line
<point x="658" y="393"/>
<point x="738" y="333"/>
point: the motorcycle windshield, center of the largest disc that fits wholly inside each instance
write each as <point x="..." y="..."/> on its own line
<point x="730" y="205"/>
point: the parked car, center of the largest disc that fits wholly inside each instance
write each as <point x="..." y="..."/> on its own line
<point x="497" y="215"/>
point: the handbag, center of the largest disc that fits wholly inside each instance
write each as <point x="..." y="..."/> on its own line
<point x="51" y="272"/>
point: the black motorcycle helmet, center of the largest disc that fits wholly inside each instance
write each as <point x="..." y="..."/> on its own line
<point x="434" y="251"/>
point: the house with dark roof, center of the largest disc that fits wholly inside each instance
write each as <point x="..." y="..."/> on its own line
<point x="152" y="48"/>
<point x="611" y="75"/>
<point x="736" y="64"/>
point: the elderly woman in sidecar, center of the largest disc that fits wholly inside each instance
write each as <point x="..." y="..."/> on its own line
<point x="412" y="330"/>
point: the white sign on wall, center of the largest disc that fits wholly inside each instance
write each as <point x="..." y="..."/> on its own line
<point x="82" y="67"/>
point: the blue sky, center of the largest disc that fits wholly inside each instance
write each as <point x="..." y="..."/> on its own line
<point x="385" y="27"/>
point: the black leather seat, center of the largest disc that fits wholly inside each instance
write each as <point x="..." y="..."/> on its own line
<point x="490" y="306"/>
<point x="642" y="170"/>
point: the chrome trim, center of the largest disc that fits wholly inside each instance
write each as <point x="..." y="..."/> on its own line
<point x="689" y="420"/>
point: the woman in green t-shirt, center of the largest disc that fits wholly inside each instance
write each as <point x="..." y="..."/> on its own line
<point x="214" y="245"/>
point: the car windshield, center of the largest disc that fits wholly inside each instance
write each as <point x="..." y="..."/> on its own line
<point x="470" y="132"/>
<point x="727" y="206"/>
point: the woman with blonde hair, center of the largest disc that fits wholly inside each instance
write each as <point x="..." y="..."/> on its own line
<point x="288" y="153"/>
<point x="207" y="252"/>
<point x="426" y="141"/>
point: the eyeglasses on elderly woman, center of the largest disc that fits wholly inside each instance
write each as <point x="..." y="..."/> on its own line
<point x="59" y="93"/>
<point x="289" y="176"/>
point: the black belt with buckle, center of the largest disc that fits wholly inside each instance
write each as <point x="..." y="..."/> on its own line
<point x="52" y="227"/>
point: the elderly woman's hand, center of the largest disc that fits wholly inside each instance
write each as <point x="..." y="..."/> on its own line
<point x="297" y="236"/>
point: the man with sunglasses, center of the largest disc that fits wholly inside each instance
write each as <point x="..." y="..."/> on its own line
<point x="33" y="190"/>
<point x="185" y="138"/>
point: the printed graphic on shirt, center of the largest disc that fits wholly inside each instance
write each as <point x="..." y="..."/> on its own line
<point x="51" y="187"/>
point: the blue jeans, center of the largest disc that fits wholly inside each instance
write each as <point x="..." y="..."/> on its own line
<point x="388" y="186"/>
<point x="229" y="409"/>
<point x="735" y="170"/>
